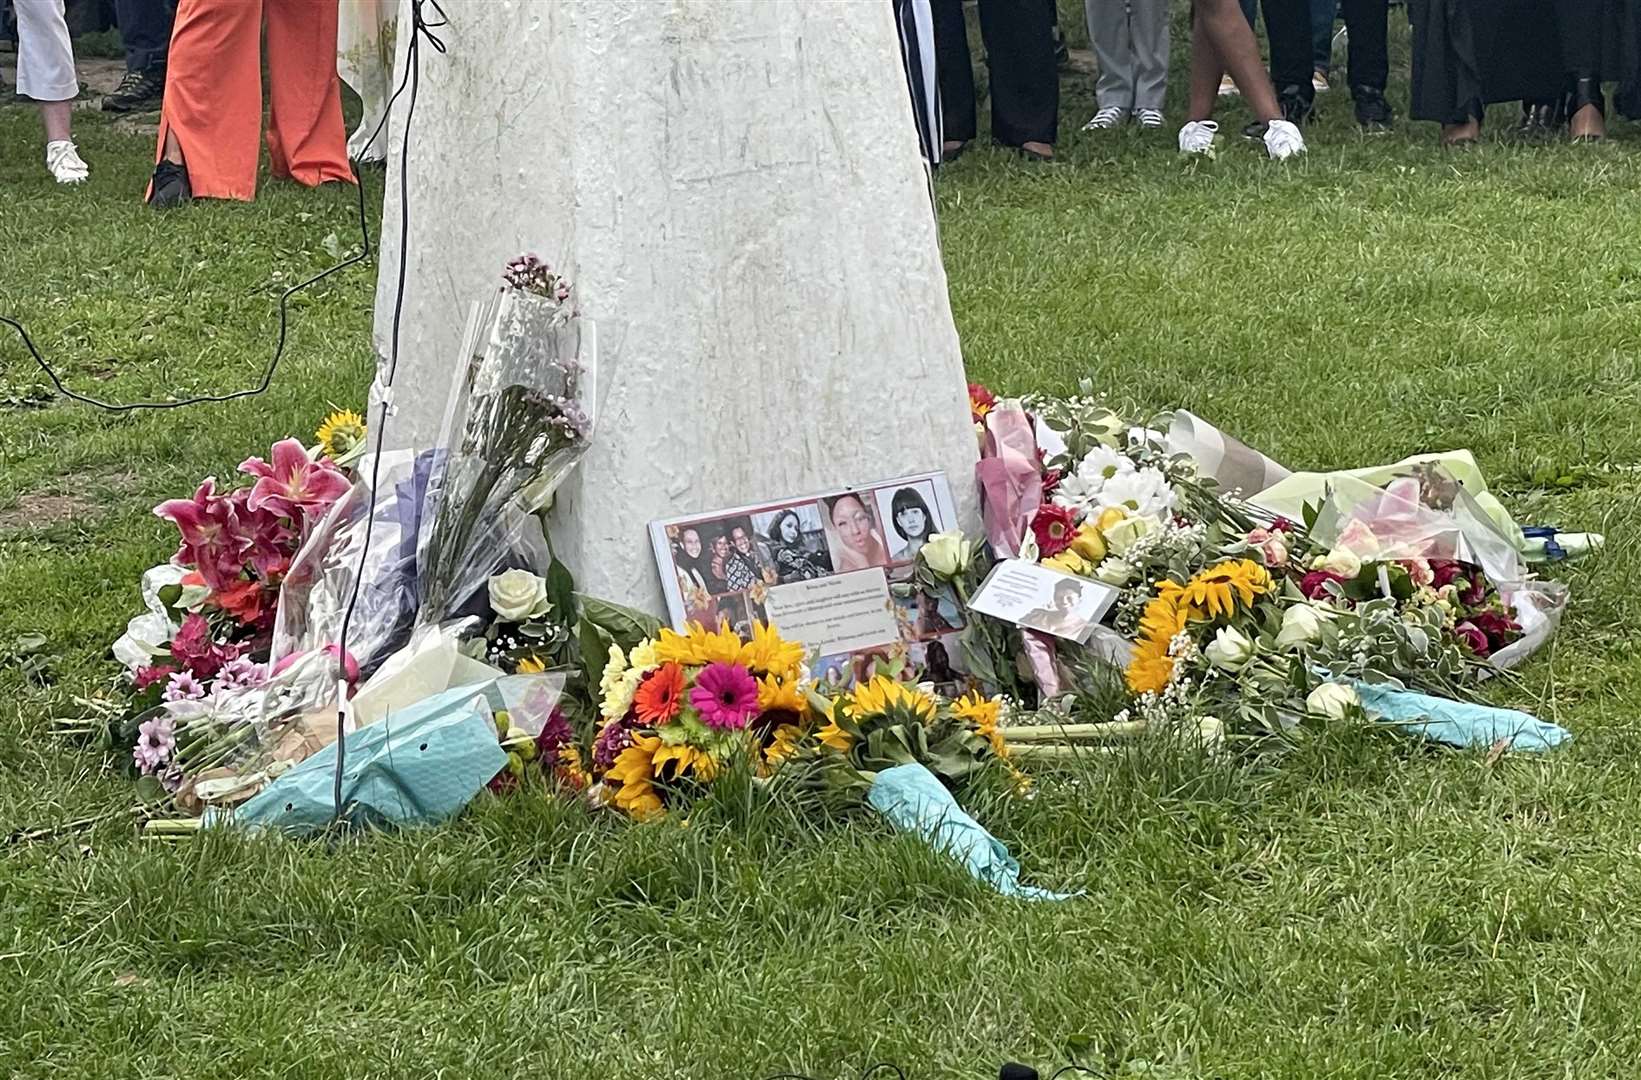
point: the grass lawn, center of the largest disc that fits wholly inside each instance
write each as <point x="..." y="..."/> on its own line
<point x="1364" y="908"/>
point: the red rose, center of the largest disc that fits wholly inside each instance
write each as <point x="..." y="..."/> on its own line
<point x="1471" y="636"/>
<point x="1282" y="525"/>
<point x="1054" y="528"/>
<point x="1315" y="584"/>
<point x="1444" y="572"/>
<point x="1500" y="629"/>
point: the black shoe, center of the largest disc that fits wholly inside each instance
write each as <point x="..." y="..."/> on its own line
<point x="1586" y="93"/>
<point x="1373" y="112"/>
<point x="170" y="187"/>
<point x="1062" y="51"/>
<point x="139" y="91"/>
<point x="1541" y="119"/>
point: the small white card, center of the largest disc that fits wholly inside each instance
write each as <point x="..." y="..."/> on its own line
<point x="1037" y="598"/>
<point x="839" y="614"/>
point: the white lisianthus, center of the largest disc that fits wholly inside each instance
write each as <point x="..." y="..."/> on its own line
<point x="1231" y="649"/>
<point x="1301" y="625"/>
<point x="947" y="555"/>
<point x="1121" y="536"/>
<point x="1332" y="700"/>
<point x="1342" y="561"/>
<point x="1114" y="572"/>
<point x="519" y="596"/>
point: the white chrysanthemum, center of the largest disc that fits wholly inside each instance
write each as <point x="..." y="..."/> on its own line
<point x="1144" y="492"/>
<point x="1103" y="464"/>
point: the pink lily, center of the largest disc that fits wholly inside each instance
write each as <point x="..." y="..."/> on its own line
<point x="211" y="540"/>
<point x="269" y="545"/>
<point x="295" y="486"/>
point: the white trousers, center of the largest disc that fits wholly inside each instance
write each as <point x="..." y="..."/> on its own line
<point x="45" y="55"/>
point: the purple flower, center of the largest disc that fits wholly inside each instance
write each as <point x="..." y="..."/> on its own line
<point x="183" y="686"/>
<point x="555" y="735"/>
<point x="242" y="674"/>
<point x="613" y="739"/>
<point x="156" y="741"/>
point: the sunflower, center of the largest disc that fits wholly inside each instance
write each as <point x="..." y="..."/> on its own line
<point x="342" y="432"/>
<point x="699" y="646"/>
<point x="784" y="744"/>
<point x="1152" y="667"/>
<point x="634" y="770"/>
<point x="660" y="695"/>
<point x="883" y="695"/>
<point x="1163" y="617"/>
<point x="776" y="694"/>
<point x="1219" y="589"/>
<point x="530" y="665"/>
<point x="982" y="714"/>
<point x="686" y="761"/>
<point x="835" y="738"/>
<point x="571" y="769"/>
<point x="769" y="654"/>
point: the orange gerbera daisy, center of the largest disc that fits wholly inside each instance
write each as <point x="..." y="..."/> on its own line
<point x="660" y="695"/>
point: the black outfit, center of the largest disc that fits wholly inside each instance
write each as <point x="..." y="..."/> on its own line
<point x="1288" y="25"/>
<point x="145" y="28"/>
<point x="1468" y="54"/>
<point x="1601" y="42"/>
<point x="1025" y="84"/>
<point x="919" y="82"/>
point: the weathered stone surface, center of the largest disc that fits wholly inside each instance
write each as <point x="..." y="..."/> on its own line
<point x="735" y="187"/>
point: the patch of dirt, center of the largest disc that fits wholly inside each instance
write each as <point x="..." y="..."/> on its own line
<point x="43" y="509"/>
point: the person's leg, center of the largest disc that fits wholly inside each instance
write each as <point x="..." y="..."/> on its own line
<point x="307" y="140"/>
<point x="1322" y="19"/>
<point x="1025" y="85"/>
<point x="1111" y="37"/>
<point x="955" y="70"/>
<point x="45" y="72"/>
<point x="1368" y="23"/>
<point x="145" y="30"/>
<point x="213" y="100"/>
<point x="1288" y="26"/>
<point x="1207" y="69"/>
<point x="1250" y="11"/>
<point x="1150" y="30"/>
<point x="1219" y="23"/>
<point x="1579" y="23"/>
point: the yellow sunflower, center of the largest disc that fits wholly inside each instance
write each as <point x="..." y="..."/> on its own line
<point x="784" y="744"/>
<point x="699" y="646"/>
<point x="1219" y="589"/>
<point x="634" y="771"/>
<point x="1152" y="668"/>
<point x="770" y="654"/>
<point x="687" y="761"/>
<point x="530" y="665"/>
<point x="1163" y="617"/>
<point x="982" y="714"/>
<point x="780" y="695"/>
<point x="342" y="432"/>
<point x="835" y="738"/>
<point x="883" y="694"/>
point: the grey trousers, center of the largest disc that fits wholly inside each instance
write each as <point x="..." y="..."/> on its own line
<point x="1130" y="40"/>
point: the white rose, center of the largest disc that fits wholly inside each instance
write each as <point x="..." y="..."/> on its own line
<point x="1114" y="572"/>
<point x="1301" y="625"/>
<point x="1332" y="700"/>
<point x="1231" y="649"/>
<point x="519" y="596"/>
<point x="1122" y="535"/>
<point x="1343" y="562"/>
<point x="947" y="555"/>
<point x="1211" y="733"/>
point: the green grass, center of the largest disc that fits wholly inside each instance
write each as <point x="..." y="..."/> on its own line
<point x="1366" y="908"/>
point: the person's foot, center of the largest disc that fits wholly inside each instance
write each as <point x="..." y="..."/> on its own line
<point x="1465" y="134"/>
<point x="1283" y="140"/>
<point x="1197" y="138"/>
<point x="170" y="186"/>
<point x="1227" y="87"/>
<point x="1588" y="124"/>
<point x="1148" y="118"/>
<point x="65" y="162"/>
<point x="1373" y="113"/>
<point x="1112" y="116"/>
<point x="951" y="150"/>
<point x="1319" y="81"/>
<point x="139" y="91"/>
<point x="1037" y="151"/>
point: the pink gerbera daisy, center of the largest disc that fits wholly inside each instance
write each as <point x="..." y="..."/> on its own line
<point x="726" y="696"/>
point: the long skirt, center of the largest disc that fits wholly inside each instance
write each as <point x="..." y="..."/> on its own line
<point x="1468" y="54"/>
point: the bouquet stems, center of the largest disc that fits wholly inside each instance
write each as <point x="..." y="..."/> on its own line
<point x="1066" y="734"/>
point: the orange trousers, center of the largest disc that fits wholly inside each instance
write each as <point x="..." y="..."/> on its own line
<point x="213" y="94"/>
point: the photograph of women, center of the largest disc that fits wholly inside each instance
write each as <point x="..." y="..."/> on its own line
<point x="720" y="567"/>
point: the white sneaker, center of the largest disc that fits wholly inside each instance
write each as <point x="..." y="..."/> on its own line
<point x="1111" y="116"/>
<point x="65" y="162"/>
<point x="1282" y="139"/>
<point x="1227" y="87"/>
<point x="1198" y="137"/>
<point x="1149" y="118"/>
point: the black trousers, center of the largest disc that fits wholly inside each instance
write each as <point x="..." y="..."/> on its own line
<point x="1288" y="25"/>
<point x="1025" y="80"/>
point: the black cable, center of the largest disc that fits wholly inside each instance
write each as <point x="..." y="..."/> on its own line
<point x="419" y="30"/>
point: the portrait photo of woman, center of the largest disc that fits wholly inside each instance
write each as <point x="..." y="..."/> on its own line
<point x="690" y="562"/>
<point x="799" y="554"/>
<point x="858" y="544"/>
<point x="910" y="524"/>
